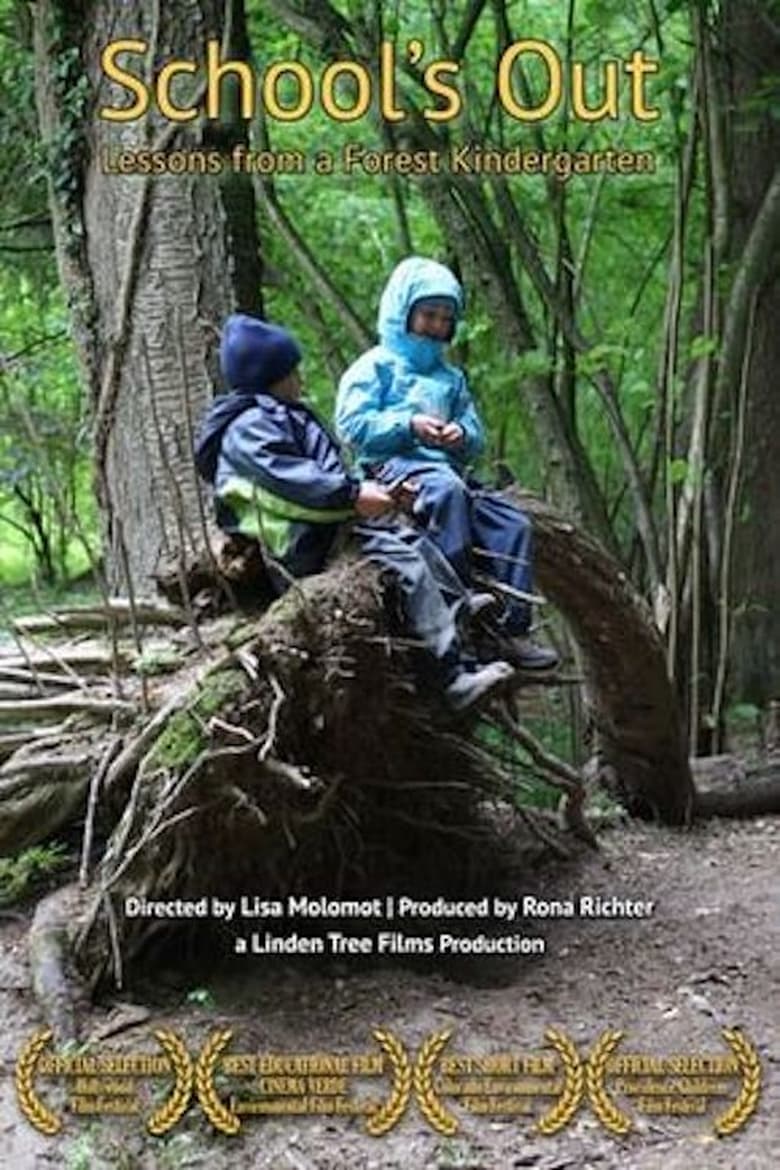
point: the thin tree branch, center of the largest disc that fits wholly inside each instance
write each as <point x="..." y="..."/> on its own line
<point x="735" y="473"/>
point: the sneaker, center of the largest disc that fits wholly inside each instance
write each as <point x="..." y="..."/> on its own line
<point x="468" y="686"/>
<point x="478" y="603"/>
<point x="525" y="654"/>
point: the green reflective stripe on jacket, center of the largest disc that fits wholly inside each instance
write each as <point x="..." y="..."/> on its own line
<point x="268" y="517"/>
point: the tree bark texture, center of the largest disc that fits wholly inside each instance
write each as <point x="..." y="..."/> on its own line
<point x="753" y="56"/>
<point x="150" y="265"/>
<point x="632" y="707"/>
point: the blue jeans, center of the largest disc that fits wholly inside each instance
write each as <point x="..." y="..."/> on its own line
<point x="475" y="528"/>
<point x="432" y="595"/>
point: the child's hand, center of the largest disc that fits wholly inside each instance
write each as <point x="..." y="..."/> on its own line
<point x="428" y="429"/>
<point x="373" y="500"/>
<point x="451" y="435"/>
<point x="404" y="492"/>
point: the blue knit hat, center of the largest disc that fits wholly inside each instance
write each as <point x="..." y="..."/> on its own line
<point x="254" y="355"/>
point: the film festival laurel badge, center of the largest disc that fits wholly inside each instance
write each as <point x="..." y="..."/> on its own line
<point x="108" y="1084"/>
<point x="543" y="1089"/>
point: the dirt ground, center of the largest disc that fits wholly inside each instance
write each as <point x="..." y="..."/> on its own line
<point x="705" y="960"/>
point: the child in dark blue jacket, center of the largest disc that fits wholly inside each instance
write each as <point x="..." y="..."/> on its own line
<point x="279" y="477"/>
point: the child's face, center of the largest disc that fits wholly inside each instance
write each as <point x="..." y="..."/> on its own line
<point x="435" y="321"/>
<point x="289" y="389"/>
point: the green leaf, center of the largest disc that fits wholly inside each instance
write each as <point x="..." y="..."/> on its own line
<point x="702" y="346"/>
<point x="743" y="713"/>
<point x="678" y="470"/>
<point x="200" y="996"/>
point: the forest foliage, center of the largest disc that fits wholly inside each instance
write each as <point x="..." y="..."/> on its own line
<point x="595" y="381"/>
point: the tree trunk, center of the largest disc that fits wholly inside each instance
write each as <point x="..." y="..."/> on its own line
<point x="753" y="47"/>
<point x="150" y="264"/>
<point x="632" y="706"/>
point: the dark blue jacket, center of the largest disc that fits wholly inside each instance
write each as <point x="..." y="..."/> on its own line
<point x="278" y="475"/>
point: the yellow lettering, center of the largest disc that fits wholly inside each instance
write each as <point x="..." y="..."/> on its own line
<point x="127" y="80"/>
<point x="167" y="108"/>
<point x="554" y="87"/>
<point x="608" y="108"/>
<point x="305" y="91"/>
<point x="439" y="88"/>
<point x="636" y="69"/>
<point x="216" y="70"/>
<point x="363" y="96"/>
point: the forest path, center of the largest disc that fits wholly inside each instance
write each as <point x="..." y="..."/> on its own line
<point x="706" y="959"/>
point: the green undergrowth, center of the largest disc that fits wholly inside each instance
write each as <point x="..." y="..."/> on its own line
<point x="30" y="871"/>
<point x="157" y="660"/>
<point x="529" y="789"/>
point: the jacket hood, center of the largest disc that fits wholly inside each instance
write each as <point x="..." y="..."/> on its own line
<point x="218" y="418"/>
<point x="415" y="279"/>
<point x="253" y="354"/>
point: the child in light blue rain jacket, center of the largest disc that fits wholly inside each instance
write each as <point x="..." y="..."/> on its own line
<point x="407" y="413"/>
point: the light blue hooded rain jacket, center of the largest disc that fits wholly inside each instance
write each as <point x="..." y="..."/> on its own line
<point x="406" y="375"/>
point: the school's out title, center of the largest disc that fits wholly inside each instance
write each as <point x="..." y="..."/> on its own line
<point x="347" y="90"/>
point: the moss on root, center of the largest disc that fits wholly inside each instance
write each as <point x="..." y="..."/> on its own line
<point x="184" y="738"/>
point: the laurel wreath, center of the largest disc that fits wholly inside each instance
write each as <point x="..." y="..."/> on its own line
<point x="570" y="1099"/>
<point x="218" y="1114"/>
<point x="601" y="1103"/>
<point x="430" y="1105"/>
<point x="30" y="1104"/>
<point x="172" y="1109"/>
<point x="744" y="1107"/>
<point x="394" y="1108"/>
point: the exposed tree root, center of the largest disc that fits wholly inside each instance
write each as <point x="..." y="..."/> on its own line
<point x="43" y="787"/>
<point x="56" y="982"/>
<point x="268" y="778"/>
<point x="294" y="752"/>
<point x="631" y="705"/>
